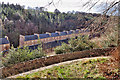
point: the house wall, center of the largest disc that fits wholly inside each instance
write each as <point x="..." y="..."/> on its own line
<point x="4" y="47"/>
<point x="46" y="40"/>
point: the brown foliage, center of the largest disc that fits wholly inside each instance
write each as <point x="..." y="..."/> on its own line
<point x="111" y="68"/>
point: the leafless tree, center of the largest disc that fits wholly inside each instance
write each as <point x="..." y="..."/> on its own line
<point x="109" y="6"/>
<point x="53" y="3"/>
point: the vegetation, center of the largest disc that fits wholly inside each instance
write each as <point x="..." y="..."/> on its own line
<point x="110" y="36"/>
<point x="76" y="44"/>
<point x="20" y="55"/>
<point x="16" y="20"/>
<point x="89" y="69"/>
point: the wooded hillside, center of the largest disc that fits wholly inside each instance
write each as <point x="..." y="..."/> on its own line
<point x="16" y="20"/>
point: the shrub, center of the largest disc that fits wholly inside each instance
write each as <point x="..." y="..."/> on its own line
<point x="62" y="49"/>
<point x="20" y="55"/>
<point x="75" y="44"/>
<point x="58" y="50"/>
<point x="110" y="42"/>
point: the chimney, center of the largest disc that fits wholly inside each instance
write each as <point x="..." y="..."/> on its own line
<point x="6" y="37"/>
<point x="21" y="40"/>
<point x="21" y="36"/>
<point x="72" y="30"/>
<point x="37" y="35"/>
<point x="48" y="33"/>
<point x="65" y="31"/>
<point x="57" y="32"/>
<point x="77" y="29"/>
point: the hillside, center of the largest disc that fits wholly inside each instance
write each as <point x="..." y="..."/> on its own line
<point x="33" y="38"/>
<point x="16" y="20"/>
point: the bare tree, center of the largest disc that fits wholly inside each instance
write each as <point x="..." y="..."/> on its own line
<point x="53" y="3"/>
<point x="110" y="7"/>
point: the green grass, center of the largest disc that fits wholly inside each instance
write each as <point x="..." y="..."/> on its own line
<point x="81" y="69"/>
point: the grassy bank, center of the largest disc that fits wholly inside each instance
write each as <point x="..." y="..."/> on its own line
<point x="82" y="69"/>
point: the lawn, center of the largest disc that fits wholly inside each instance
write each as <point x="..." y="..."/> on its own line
<point x="81" y="69"/>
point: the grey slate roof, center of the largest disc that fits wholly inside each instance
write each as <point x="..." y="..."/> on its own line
<point x="4" y="41"/>
<point x="63" y="33"/>
<point x="41" y="36"/>
<point x="81" y="31"/>
<point x="31" y="37"/>
<point x="54" y="34"/>
<point x="76" y="31"/>
<point x="70" y="32"/>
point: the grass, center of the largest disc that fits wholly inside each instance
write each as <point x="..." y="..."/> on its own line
<point x="81" y="69"/>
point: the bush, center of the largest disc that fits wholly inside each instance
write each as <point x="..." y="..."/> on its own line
<point x="20" y="55"/>
<point x="111" y="40"/>
<point x="79" y="44"/>
<point x="62" y="49"/>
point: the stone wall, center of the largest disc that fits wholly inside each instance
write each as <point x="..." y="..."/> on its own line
<point x="40" y="62"/>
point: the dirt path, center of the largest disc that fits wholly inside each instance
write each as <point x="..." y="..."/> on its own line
<point x="62" y="63"/>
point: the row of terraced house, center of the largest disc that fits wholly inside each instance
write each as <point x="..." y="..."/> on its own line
<point x="47" y="38"/>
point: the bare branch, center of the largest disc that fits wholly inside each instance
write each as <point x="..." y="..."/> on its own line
<point x="90" y="4"/>
<point x="52" y="3"/>
<point x="111" y="6"/>
<point x="93" y="5"/>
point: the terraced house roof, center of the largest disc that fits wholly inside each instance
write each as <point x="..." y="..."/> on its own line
<point x="70" y="32"/>
<point x="41" y="36"/>
<point x="4" y="41"/>
<point x="54" y="34"/>
<point x="31" y="37"/>
<point x="63" y="33"/>
<point x="81" y="31"/>
<point x="76" y="31"/>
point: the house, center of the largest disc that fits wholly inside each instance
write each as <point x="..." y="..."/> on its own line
<point x="54" y="36"/>
<point x="4" y="44"/>
<point x="62" y="35"/>
<point x="43" y="37"/>
<point x="35" y="39"/>
<point x="71" y="33"/>
<point x="76" y="32"/>
<point x="28" y="40"/>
